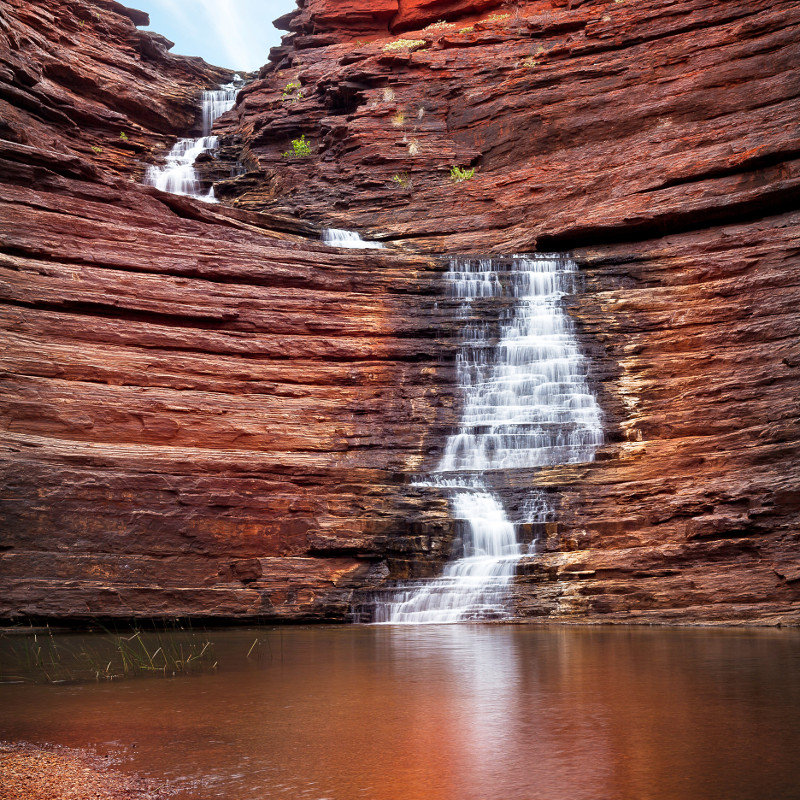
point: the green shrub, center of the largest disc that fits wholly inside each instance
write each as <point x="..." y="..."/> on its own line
<point x="460" y="174"/>
<point x="301" y="148"/>
<point x="292" y="92"/>
<point x="403" y="180"/>
<point x="97" y="149"/>
<point x="123" y="136"/>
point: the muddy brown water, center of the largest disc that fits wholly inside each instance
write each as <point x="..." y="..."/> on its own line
<point x="454" y="712"/>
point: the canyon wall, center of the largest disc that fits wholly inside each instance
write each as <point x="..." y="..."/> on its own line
<point x="205" y="411"/>
<point x="208" y="413"/>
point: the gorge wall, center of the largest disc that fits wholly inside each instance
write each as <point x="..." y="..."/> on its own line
<point x="206" y="412"/>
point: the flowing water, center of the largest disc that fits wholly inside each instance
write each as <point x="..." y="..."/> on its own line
<point x="527" y="404"/>
<point x="460" y="712"/>
<point x="336" y="237"/>
<point x="177" y="175"/>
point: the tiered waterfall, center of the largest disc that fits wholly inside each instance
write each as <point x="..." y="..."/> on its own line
<point x="527" y="404"/>
<point x="177" y="175"/>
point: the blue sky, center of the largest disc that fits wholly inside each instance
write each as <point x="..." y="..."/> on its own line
<point x="228" y="33"/>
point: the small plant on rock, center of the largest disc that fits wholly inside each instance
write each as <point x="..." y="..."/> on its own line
<point x="399" y="119"/>
<point x="438" y="26"/>
<point x="468" y="29"/>
<point x="461" y="174"/>
<point x="407" y="45"/>
<point x="301" y="148"/>
<point x="403" y="180"/>
<point x="292" y="92"/>
<point x="497" y="17"/>
<point x="123" y="136"/>
<point x="96" y="149"/>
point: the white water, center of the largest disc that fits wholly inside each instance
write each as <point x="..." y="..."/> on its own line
<point x="526" y="404"/>
<point x="339" y="238"/>
<point x="177" y="175"/>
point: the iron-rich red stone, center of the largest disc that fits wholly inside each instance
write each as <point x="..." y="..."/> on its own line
<point x="207" y="413"/>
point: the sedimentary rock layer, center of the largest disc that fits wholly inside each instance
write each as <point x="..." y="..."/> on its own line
<point x="585" y="122"/>
<point x="207" y="413"/>
<point x="659" y="142"/>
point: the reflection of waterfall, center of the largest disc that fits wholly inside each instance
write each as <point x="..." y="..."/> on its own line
<point x="177" y="175"/>
<point x="526" y="404"/>
<point x="339" y="238"/>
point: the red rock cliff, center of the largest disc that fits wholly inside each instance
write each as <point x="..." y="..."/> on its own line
<point x="208" y="415"/>
<point x="659" y="142"/>
<point x="204" y="411"/>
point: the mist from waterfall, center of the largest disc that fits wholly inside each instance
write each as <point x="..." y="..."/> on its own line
<point x="527" y="404"/>
<point x="177" y="175"/>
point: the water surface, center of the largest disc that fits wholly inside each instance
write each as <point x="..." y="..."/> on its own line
<point x="459" y="712"/>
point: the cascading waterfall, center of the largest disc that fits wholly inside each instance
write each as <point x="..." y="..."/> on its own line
<point x="334" y="237"/>
<point x="527" y="404"/>
<point x="177" y="175"/>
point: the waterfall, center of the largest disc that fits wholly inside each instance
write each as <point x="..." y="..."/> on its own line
<point x="527" y="404"/>
<point x="177" y="175"/>
<point x="339" y="238"/>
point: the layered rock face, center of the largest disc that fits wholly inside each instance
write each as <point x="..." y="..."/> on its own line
<point x="657" y="141"/>
<point x="207" y="413"/>
<point x="81" y="81"/>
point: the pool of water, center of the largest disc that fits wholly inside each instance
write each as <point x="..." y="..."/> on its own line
<point x="459" y="712"/>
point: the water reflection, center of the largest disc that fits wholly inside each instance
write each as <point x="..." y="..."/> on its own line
<point x="451" y="713"/>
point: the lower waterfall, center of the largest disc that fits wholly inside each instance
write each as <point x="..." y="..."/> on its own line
<point x="527" y="404"/>
<point x="177" y="175"/>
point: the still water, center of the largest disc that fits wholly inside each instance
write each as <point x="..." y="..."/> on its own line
<point x="455" y="712"/>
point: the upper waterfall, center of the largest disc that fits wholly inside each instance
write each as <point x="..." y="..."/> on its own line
<point x="217" y="102"/>
<point x="177" y="175"/>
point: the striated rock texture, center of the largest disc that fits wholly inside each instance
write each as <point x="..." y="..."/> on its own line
<point x="79" y="80"/>
<point x="206" y="413"/>
<point x="659" y="142"/>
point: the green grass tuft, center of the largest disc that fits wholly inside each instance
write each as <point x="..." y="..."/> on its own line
<point x="461" y="174"/>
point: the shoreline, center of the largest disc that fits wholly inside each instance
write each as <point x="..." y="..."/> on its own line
<point x="52" y="772"/>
